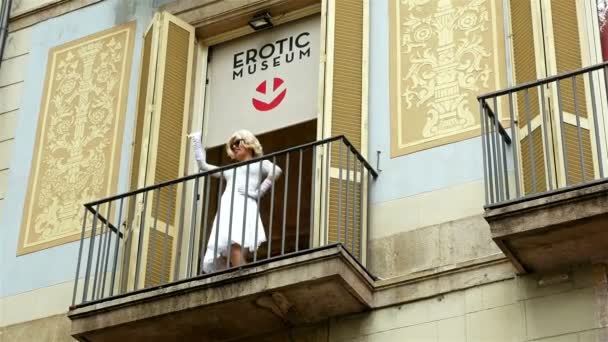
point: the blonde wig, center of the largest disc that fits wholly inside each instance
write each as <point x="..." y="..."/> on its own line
<point x="249" y="141"/>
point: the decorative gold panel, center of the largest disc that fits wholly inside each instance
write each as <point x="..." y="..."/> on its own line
<point x="444" y="53"/>
<point x="79" y="135"/>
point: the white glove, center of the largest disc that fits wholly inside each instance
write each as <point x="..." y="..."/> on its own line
<point x="199" y="152"/>
<point x="257" y="194"/>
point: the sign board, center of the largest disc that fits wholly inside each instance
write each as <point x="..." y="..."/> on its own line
<point x="264" y="81"/>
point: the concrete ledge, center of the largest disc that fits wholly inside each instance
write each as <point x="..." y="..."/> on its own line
<point x="303" y="289"/>
<point x="555" y="232"/>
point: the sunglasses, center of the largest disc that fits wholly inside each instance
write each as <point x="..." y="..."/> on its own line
<point x="236" y="143"/>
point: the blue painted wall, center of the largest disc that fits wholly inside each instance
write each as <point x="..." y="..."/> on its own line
<point x="56" y="265"/>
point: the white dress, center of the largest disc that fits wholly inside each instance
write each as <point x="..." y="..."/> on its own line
<point x="244" y="227"/>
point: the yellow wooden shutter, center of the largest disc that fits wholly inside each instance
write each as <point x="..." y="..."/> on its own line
<point x="567" y="50"/>
<point x="525" y="70"/>
<point x="159" y="149"/>
<point x="346" y="114"/>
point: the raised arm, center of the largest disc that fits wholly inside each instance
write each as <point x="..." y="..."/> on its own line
<point x="200" y="155"/>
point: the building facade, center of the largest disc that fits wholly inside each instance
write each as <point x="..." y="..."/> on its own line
<point x="443" y="166"/>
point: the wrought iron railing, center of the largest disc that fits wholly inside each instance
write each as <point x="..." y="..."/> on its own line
<point x="157" y="235"/>
<point x="545" y="136"/>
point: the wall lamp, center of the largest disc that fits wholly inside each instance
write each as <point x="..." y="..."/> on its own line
<point x="261" y="22"/>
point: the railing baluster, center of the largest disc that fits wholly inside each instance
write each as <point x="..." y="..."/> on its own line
<point x="562" y="131"/>
<point x="100" y="248"/>
<point x="499" y="152"/>
<point x="126" y="255"/>
<point x="323" y="225"/>
<point x="90" y="258"/>
<point x="271" y="219"/>
<point x="229" y="242"/>
<point x="514" y="142"/>
<point x="116" y="247"/>
<point x="578" y="130"/>
<point x="246" y="199"/>
<point x="203" y="248"/>
<point x="257" y="216"/>
<point x="217" y="218"/>
<point x="285" y="203"/>
<point x="546" y="138"/>
<point x="193" y="227"/>
<point x="107" y="251"/>
<point x="596" y="127"/>
<point x="180" y="232"/>
<point x="140" y="241"/>
<point x="346" y="197"/>
<point x="153" y="238"/>
<point x="530" y="141"/>
<point x="354" y="201"/>
<point x="298" y="202"/>
<point x="164" y="262"/>
<point x="361" y="185"/>
<point x="339" y="191"/>
<point x="482" y="124"/>
<point x="84" y="226"/>
<point x="312" y="197"/>
<point x="491" y="153"/>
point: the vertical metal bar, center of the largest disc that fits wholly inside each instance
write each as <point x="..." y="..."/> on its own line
<point x="84" y="225"/>
<point x="531" y="150"/>
<point x="492" y="137"/>
<point x="298" y="204"/>
<point x="339" y="192"/>
<point x="271" y="219"/>
<point x="488" y="146"/>
<point x="514" y="142"/>
<point x="245" y="195"/>
<point x="578" y="128"/>
<point x="117" y="246"/>
<point x="546" y="138"/>
<point x="90" y="258"/>
<point x="323" y="226"/>
<point x="497" y="158"/>
<point x="229" y="243"/>
<point x="125" y="255"/>
<point x="257" y="216"/>
<point x="367" y="220"/>
<point x="505" y="169"/>
<point x="203" y="248"/>
<point x="497" y="144"/>
<point x="149" y="264"/>
<point x="285" y="203"/>
<point x="107" y="251"/>
<point x="140" y="241"/>
<point x="218" y="216"/>
<point x="101" y="246"/>
<point x="484" y="151"/>
<point x="164" y="262"/>
<point x="348" y="152"/>
<point x="361" y="185"/>
<point x="596" y="127"/>
<point x="192" y="227"/>
<point x="312" y="197"/>
<point x="562" y="131"/>
<point x="180" y="233"/>
<point x="354" y="201"/>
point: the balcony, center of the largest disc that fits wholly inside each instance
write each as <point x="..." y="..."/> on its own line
<point x="545" y="167"/>
<point x="144" y="267"/>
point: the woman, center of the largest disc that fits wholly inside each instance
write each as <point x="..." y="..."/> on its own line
<point x="227" y="232"/>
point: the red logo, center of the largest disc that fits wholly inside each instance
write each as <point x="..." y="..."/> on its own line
<point x="266" y="99"/>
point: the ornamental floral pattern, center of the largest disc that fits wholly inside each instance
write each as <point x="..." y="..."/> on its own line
<point x="446" y="53"/>
<point x="79" y="135"/>
<point x="443" y="67"/>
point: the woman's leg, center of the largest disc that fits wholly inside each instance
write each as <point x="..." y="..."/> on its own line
<point x="237" y="257"/>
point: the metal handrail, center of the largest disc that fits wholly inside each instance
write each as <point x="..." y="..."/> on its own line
<point x="238" y="164"/>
